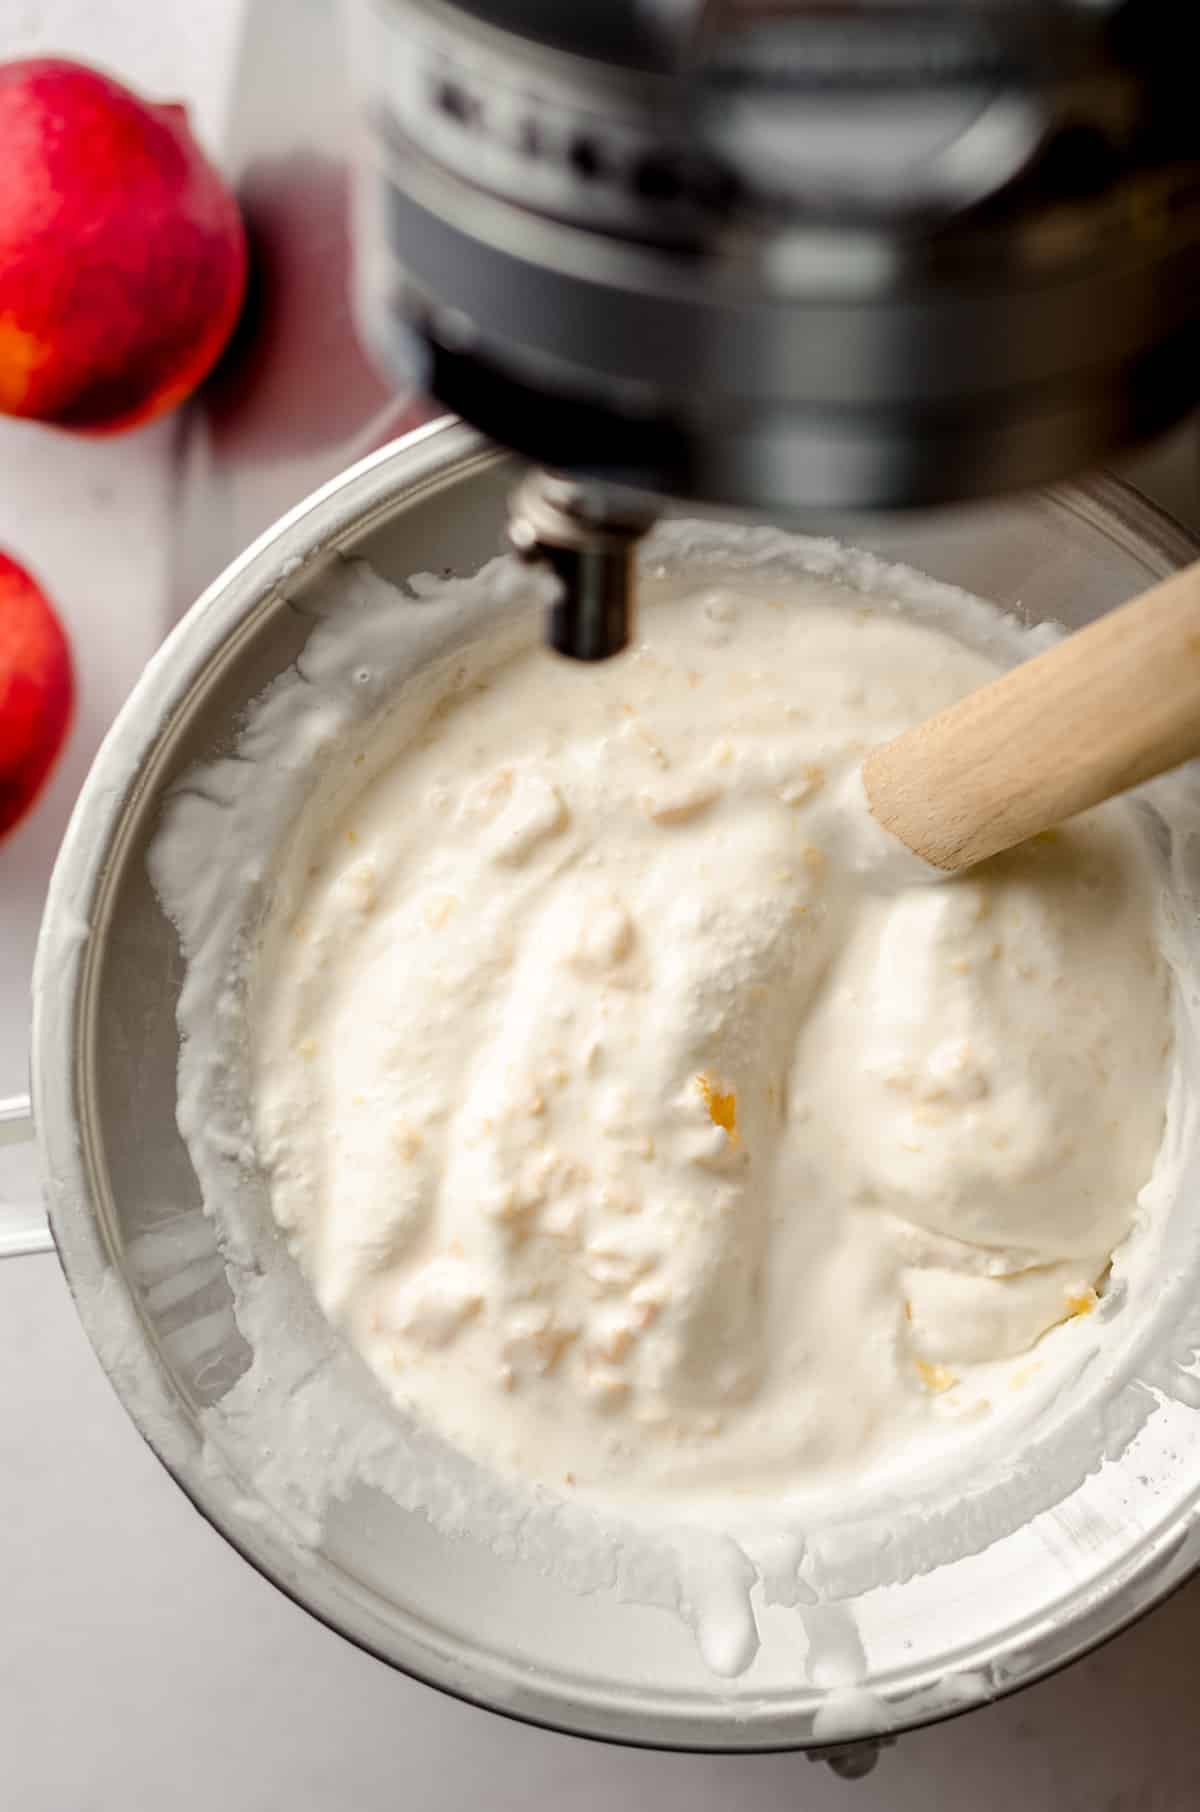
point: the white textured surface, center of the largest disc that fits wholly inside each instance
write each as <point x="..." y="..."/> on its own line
<point x="141" y="1661"/>
<point x="89" y="517"/>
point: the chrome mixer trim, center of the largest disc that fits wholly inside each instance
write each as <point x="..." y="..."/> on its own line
<point x="590" y="549"/>
<point x="668" y="264"/>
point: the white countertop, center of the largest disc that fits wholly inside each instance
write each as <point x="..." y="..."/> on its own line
<point x="141" y="1661"/>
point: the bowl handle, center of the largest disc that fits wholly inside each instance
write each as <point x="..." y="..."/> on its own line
<point x="23" y="1223"/>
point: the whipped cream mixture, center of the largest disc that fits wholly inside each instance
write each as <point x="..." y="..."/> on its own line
<point x="643" y="1138"/>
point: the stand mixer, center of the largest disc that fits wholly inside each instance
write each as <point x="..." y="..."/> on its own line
<point x="777" y="257"/>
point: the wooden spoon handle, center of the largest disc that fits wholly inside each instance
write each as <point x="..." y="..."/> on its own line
<point x="1108" y="707"/>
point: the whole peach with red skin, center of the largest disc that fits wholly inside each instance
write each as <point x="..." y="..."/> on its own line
<point x="37" y="690"/>
<point x="122" y="251"/>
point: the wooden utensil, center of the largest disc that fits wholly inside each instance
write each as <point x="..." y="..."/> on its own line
<point x="1112" y="705"/>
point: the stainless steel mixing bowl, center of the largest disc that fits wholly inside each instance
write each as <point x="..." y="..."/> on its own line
<point x="143" y="1263"/>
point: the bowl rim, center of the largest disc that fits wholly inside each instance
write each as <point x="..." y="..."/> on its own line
<point x="67" y="951"/>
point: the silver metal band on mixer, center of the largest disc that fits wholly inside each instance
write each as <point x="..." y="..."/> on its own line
<point x="805" y="259"/>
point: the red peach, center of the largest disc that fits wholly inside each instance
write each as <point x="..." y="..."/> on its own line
<point x="122" y="251"/>
<point x="37" y="690"/>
